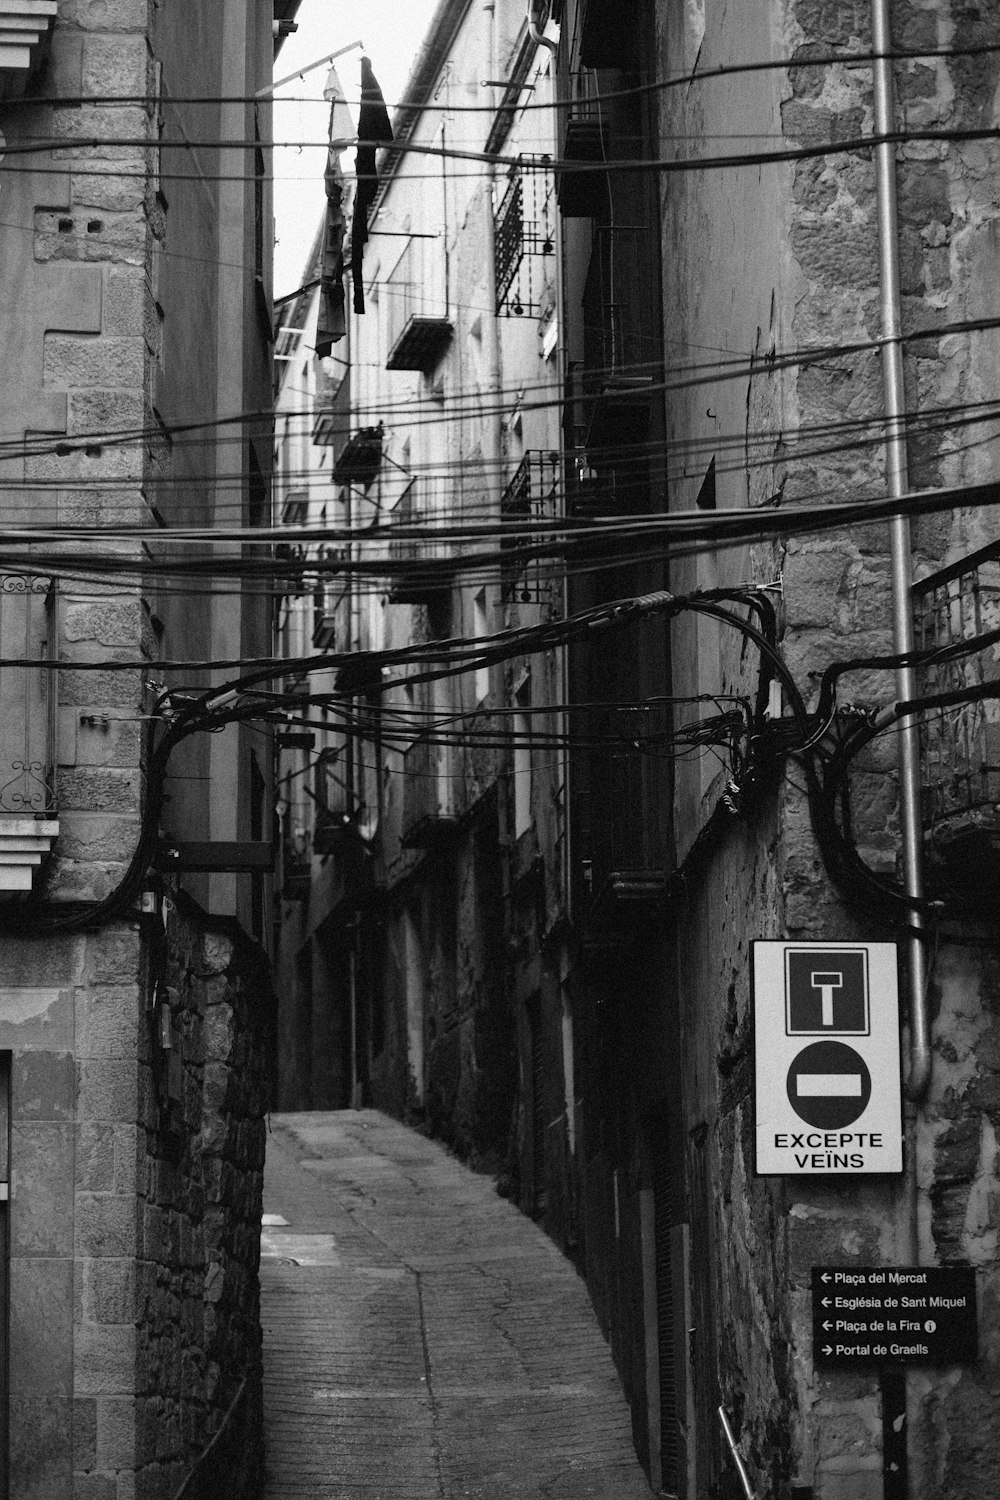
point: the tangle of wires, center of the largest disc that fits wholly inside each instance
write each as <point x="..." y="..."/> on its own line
<point x="841" y="734"/>
<point x="826" y="742"/>
<point x="252" y="698"/>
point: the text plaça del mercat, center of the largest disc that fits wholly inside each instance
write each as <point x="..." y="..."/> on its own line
<point x="828" y="1149"/>
<point x="890" y="1278"/>
<point x="883" y="1303"/>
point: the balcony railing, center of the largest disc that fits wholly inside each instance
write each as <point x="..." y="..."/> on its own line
<point x="960" y="744"/>
<point x="29" y="696"/>
<point x="360" y="459"/>
<point x="430" y="792"/>
<point x="419" y="320"/>
<point x="420" y="564"/>
<point x="523" y="239"/>
<point x="532" y="495"/>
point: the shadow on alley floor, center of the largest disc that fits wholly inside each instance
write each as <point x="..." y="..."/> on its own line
<point x="423" y="1340"/>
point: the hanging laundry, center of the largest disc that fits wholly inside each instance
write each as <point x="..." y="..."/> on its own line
<point x="342" y="131"/>
<point x="374" y="129"/>
<point x="332" y="324"/>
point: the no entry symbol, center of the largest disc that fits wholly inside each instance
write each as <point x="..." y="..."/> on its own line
<point x="829" y="1085"/>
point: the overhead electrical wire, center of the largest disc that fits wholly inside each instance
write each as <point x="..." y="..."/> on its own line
<point x="699" y="75"/>
<point x="216" y="708"/>
<point x="800" y="447"/>
<point x="741" y="367"/>
<point x="235" y="702"/>
<point x="666" y="166"/>
<point x="762" y="521"/>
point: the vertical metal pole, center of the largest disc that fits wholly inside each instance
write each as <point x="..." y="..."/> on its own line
<point x="918" y="1074"/>
<point x="895" y="1437"/>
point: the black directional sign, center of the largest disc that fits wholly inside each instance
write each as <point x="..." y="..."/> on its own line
<point x="910" y="1315"/>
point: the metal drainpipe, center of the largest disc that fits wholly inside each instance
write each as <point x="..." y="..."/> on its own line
<point x="535" y="33"/>
<point x="918" y="1073"/>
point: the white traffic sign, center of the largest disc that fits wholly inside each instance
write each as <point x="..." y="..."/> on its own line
<point x="828" y="1094"/>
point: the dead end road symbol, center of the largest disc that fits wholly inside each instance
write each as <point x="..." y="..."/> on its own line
<point x="826" y="992"/>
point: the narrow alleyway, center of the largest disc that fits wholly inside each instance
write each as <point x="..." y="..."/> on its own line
<point x="422" y="1339"/>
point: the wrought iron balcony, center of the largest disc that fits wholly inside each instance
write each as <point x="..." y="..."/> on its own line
<point x="360" y="459"/>
<point x="523" y="238"/>
<point x="532" y="495"/>
<point x="960" y="744"/>
<point x="419" y="321"/>
<point x="421" y="566"/>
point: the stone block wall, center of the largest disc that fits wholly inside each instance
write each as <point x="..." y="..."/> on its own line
<point x="133" y="1223"/>
<point x="135" y="1215"/>
<point x="202" y="1153"/>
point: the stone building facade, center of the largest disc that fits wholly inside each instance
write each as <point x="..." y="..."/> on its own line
<point x="409" y="955"/>
<point x="135" y="1013"/>
<point x="559" y="983"/>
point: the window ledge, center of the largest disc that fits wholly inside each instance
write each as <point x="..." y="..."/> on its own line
<point x="24" y="843"/>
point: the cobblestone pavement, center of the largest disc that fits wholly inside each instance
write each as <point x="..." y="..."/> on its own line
<point x="423" y="1340"/>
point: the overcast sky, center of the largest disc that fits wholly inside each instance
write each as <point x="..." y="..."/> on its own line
<point x="391" y="32"/>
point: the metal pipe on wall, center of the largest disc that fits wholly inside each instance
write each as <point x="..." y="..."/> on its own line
<point x="918" y="1073"/>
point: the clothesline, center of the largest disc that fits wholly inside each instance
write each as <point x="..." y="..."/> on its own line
<point x="309" y="68"/>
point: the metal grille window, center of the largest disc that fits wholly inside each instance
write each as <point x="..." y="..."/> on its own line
<point x="419" y="561"/>
<point x="524" y="243"/>
<point x="960" y="744"/>
<point x="27" y="726"/>
<point x="509" y="239"/>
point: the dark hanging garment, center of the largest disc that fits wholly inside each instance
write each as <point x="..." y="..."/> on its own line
<point x="332" y="323"/>
<point x="374" y="130"/>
